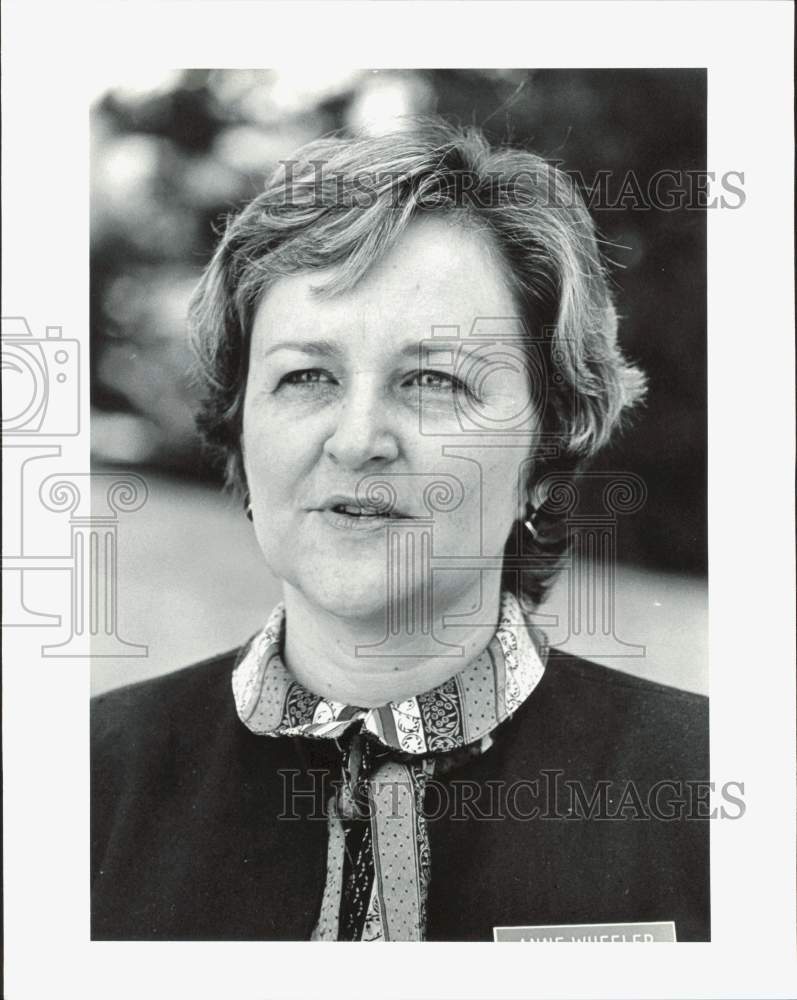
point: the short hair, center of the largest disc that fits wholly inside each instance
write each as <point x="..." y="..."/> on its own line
<point x="345" y="201"/>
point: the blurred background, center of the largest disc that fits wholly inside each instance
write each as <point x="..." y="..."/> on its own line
<point x="174" y="152"/>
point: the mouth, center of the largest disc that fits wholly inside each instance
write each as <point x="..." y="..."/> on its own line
<point x="358" y="511"/>
<point x="346" y="514"/>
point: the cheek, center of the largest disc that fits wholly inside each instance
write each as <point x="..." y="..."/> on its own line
<point x="500" y="493"/>
<point x="272" y="462"/>
<point x="489" y="508"/>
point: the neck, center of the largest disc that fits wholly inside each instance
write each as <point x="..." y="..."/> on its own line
<point x="325" y="653"/>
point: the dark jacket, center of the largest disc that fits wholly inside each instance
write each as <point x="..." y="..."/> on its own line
<point x="193" y="839"/>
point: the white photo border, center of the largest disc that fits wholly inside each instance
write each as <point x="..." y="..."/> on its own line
<point x="55" y="59"/>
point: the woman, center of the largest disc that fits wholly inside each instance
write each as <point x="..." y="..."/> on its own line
<point x="409" y="350"/>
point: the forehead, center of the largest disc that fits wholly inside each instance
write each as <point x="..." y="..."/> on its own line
<point x="439" y="272"/>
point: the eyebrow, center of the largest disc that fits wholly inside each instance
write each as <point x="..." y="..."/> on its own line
<point x="322" y="346"/>
<point x="307" y="346"/>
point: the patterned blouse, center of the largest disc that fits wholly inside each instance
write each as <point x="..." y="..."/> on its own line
<point x="378" y="859"/>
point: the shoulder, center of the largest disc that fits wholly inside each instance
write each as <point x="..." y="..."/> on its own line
<point x="151" y="742"/>
<point x="568" y="673"/>
<point x="610" y="715"/>
<point x="150" y="712"/>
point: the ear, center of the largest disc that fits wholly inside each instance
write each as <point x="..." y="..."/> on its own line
<point x="525" y="487"/>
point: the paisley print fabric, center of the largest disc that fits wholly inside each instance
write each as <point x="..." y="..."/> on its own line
<point x="379" y="864"/>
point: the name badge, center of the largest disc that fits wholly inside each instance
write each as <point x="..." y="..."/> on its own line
<point x="644" y="933"/>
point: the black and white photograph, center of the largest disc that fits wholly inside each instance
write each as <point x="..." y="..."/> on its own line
<point x="404" y="354"/>
<point x="385" y="536"/>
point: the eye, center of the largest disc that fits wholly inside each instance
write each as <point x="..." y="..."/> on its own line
<point x="306" y="377"/>
<point x="437" y="381"/>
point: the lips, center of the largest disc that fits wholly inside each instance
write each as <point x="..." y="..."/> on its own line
<point x="345" y="511"/>
<point x="356" y="510"/>
<point x="347" y="505"/>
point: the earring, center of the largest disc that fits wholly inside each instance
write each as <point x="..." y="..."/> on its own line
<point x="248" y="508"/>
<point x="528" y="524"/>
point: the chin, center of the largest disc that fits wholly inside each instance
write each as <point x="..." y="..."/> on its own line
<point x="346" y="595"/>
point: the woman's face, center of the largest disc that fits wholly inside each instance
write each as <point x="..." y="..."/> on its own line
<point x="347" y="389"/>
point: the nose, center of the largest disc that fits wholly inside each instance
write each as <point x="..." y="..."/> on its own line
<point x="363" y="433"/>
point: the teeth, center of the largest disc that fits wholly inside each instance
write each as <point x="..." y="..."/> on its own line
<point x="359" y="511"/>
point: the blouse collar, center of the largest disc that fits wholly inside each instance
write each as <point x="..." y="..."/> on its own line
<point x="459" y="712"/>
